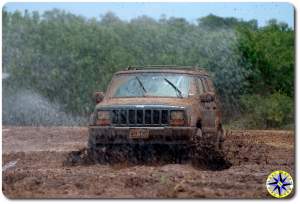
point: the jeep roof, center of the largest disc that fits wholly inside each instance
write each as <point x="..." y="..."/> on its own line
<point x="193" y="70"/>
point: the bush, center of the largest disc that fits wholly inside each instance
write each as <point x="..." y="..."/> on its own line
<point x="271" y="111"/>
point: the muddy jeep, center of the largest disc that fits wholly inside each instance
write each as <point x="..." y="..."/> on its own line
<point x="149" y="109"/>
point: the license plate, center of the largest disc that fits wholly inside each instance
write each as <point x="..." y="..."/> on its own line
<point x="137" y="133"/>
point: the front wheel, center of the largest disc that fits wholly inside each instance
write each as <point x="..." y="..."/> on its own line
<point x="206" y="150"/>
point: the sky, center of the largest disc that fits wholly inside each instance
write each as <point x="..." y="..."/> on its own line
<point x="283" y="12"/>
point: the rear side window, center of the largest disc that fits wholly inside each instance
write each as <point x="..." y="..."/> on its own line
<point x="201" y="86"/>
<point x="206" y="85"/>
<point x="210" y="85"/>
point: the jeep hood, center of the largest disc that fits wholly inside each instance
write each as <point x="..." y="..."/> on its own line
<point x="182" y="102"/>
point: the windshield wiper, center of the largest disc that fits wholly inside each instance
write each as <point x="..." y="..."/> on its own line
<point x="175" y="87"/>
<point x="141" y="84"/>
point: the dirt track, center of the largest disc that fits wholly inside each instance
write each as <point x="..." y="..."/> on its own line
<point x="40" y="173"/>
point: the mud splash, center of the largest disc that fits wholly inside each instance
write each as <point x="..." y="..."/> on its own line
<point x="151" y="155"/>
<point x="238" y="149"/>
<point x="79" y="157"/>
<point x="138" y="154"/>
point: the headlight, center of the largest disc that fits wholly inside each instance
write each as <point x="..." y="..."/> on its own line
<point x="177" y="118"/>
<point x="103" y="118"/>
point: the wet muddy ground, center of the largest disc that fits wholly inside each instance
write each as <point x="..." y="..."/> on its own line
<point x="34" y="166"/>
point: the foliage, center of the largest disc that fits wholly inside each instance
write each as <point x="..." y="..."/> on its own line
<point x="66" y="58"/>
<point x="270" y="111"/>
<point x="270" y="53"/>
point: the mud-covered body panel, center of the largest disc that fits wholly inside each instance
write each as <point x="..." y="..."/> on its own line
<point x="157" y="135"/>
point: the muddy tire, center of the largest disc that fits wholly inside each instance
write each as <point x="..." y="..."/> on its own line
<point x="206" y="151"/>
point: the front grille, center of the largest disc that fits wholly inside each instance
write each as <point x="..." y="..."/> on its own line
<point x="140" y="117"/>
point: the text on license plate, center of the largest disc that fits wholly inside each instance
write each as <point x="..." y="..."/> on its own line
<point x="137" y="133"/>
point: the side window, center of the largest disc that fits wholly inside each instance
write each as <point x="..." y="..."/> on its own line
<point x="200" y="86"/>
<point x="206" y="85"/>
<point x="211" y="85"/>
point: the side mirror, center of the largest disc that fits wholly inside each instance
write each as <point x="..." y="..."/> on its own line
<point x="98" y="96"/>
<point x="207" y="97"/>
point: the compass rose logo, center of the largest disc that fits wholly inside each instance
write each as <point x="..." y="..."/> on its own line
<point x="279" y="184"/>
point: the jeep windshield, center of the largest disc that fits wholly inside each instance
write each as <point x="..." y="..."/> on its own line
<point x="150" y="85"/>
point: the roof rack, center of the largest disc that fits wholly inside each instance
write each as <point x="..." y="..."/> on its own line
<point x="192" y="68"/>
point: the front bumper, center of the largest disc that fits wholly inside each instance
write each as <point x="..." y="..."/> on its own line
<point x="157" y="135"/>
